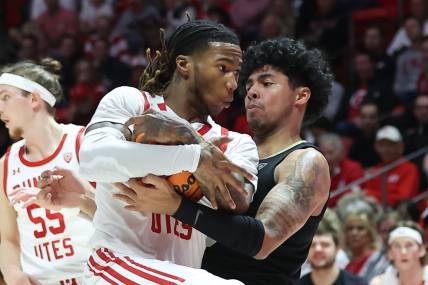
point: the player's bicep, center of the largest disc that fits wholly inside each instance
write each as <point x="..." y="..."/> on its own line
<point x="302" y="188"/>
<point x="8" y="227"/>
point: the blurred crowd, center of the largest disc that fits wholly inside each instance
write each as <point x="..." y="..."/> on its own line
<point x="374" y="132"/>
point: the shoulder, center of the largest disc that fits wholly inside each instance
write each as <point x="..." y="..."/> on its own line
<point x="377" y="280"/>
<point x="120" y="92"/>
<point x="351" y="278"/>
<point x="305" y="279"/>
<point x="306" y="166"/>
<point x="241" y="139"/>
<point x="307" y="156"/>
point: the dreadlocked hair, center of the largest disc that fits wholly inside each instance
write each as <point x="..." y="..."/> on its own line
<point x="157" y="74"/>
<point x="189" y="38"/>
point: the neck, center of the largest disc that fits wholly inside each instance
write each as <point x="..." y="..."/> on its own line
<point x="413" y="276"/>
<point x="359" y="252"/>
<point x="325" y="276"/>
<point x="183" y="102"/>
<point x="277" y="140"/>
<point x="42" y="136"/>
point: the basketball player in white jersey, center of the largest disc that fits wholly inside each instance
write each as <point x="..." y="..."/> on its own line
<point x="196" y="75"/>
<point x="38" y="245"/>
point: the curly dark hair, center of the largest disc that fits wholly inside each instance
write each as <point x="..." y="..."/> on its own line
<point x="302" y="66"/>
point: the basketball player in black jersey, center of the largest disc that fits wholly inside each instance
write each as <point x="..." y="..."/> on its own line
<point x="286" y="85"/>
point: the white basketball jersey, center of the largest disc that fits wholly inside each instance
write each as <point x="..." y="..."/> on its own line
<point x="54" y="244"/>
<point x="155" y="236"/>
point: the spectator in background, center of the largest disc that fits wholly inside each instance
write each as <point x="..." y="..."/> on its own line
<point x="113" y="72"/>
<point x="409" y="63"/>
<point x="422" y="86"/>
<point x="400" y="182"/>
<point x="68" y="54"/>
<point x="374" y="45"/>
<point x="128" y="20"/>
<point x="55" y="22"/>
<point x="85" y="94"/>
<point x="360" y="243"/>
<point x="322" y="256"/>
<point x="177" y="13"/>
<point x="362" y="148"/>
<point x="117" y="46"/>
<point x="217" y="14"/>
<point x="38" y="7"/>
<point x="246" y="16"/>
<point x="91" y="10"/>
<point x="367" y="86"/>
<point x="415" y="131"/>
<point x="270" y="27"/>
<point x="28" y="47"/>
<point x="323" y="23"/>
<point x="278" y="21"/>
<point x="401" y="39"/>
<point x="336" y="97"/>
<point x="406" y="250"/>
<point x="342" y="170"/>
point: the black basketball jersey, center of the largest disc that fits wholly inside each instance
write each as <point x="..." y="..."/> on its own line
<point x="283" y="265"/>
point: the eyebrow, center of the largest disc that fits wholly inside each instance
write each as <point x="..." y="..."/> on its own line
<point x="260" y="76"/>
<point x="228" y="59"/>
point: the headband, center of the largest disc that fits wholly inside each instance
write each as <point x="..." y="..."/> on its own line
<point x="27" y="85"/>
<point x="405" y="232"/>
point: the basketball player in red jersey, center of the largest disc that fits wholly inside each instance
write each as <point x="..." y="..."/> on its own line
<point x="38" y="245"/>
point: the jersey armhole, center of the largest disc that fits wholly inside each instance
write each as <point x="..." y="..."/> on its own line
<point x="78" y="142"/>
<point x="5" y="170"/>
<point x="224" y="133"/>
<point x="146" y="101"/>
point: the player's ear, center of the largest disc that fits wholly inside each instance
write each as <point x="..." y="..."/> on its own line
<point x="36" y="101"/>
<point x="183" y="65"/>
<point x="302" y="95"/>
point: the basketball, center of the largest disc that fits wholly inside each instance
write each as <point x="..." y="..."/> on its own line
<point x="184" y="183"/>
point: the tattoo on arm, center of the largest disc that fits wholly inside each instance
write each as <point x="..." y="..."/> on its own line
<point x="292" y="201"/>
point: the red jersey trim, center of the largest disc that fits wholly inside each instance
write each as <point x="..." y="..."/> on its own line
<point x="162" y="106"/>
<point x="205" y="128"/>
<point x="43" y="161"/>
<point x="224" y="133"/>
<point x="5" y="170"/>
<point x="146" y="101"/>
<point x="78" y="141"/>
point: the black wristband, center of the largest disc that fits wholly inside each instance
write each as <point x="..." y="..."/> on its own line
<point x="240" y="233"/>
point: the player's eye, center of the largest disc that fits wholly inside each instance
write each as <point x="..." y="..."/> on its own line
<point x="222" y="67"/>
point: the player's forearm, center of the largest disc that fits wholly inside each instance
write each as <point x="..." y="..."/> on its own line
<point x="106" y="158"/>
<point x="10" y="263"/>
<point x="238" y="232"/>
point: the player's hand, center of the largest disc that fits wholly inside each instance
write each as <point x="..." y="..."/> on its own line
<point x="155" y="127"/>
<point x="151" y="194"/>
<point x="25" y="279"/>
<point x="58" y="188"/>
<point x="215" y="174"/>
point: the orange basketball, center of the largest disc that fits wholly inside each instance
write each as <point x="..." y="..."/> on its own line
<point x="186" y="184"/>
